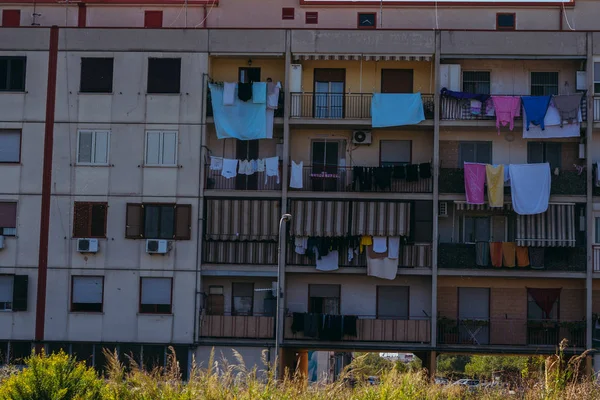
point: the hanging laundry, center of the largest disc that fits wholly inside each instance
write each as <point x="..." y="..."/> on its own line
<point x="365" y="241"/>
<point x="508" y="254"/>
<point x="379" y="244"/>
<point x="259" y="92"/>
<point x="216" y="163"/>
<point x="474" y="182"/>
<point x="464" y="95"/>
<point x="506" y="172"/>
<point x="495" y="185"/>
<point x="396" y="109"/>
<point x="300" y="245"/>
<point x="535" y="108"/>
<point x="270" y="122"/>
<point x="553" y="124"/>
<point x="425" y="170"/>
<point x="296" y="175"/>
<point x="536" y="257"/>
<point x="530" y="188"/>
<point x="399" y="172"/>
<point x="476" y="107"/>
<point x="394" y="247"/>
<point x="506" y="108"/>
<point x="244" y="91"/>
<point x="482" y="254"/>
<point x="260" y="165"/>
<point x="568" y="107"/>
<point x="297" y="322"/>
<point x="243" y="167"/>
<point x="489" y="108"/>
<point x="329" y="262"/>
<point x="229" y="93"/>
<point x="522" y="256"/>
<point x="350" y="254"/>
<point x="597" y="180"/>
<point x="496" y="254"/>
<point x="229" y="168"/>
<point x="272" y="168"/>
<point x="273" y="95"/>
<point x="412" y="173"/>
<point x="383" y="177"/>
<point x="373" y="254"/>
<point x="385" y="268"/>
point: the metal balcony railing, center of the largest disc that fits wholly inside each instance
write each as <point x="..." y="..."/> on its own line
<point x="256" y="181"/>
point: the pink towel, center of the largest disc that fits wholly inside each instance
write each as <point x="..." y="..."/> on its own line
<point x="507" y="108"/>
<point x="474" y="182"/>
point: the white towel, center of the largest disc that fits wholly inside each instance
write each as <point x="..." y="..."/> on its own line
<point x="229" y="168"/>
<point x="229" y="93"/>
<point x="242" y="166"/>
<point x="272" y="168"/>
<point x="272" y="95"/>
<point x="530" y="188"/>
<point x="269" y="126"/>
<point x="260" y="165"/>
<point x="296" y="175"/>
<point x="394" y="247"/>
<point x="385" y="268"/>
<point x="379" y="244"/>
<point x="300" y="243"/>
<point x="216" y="163"/>
<point x="328" y="262"/>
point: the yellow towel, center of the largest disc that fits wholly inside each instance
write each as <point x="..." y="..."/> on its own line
<point x="508" y="253"/>
<point x="495" y="185"/>
<point x="365" y="241"/>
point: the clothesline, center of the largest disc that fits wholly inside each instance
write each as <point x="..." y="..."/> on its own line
<point x="230" y="168"/>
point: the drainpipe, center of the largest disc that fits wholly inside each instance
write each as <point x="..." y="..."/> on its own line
<point x="204" y="17"/>
<point x="40" y="307"/>
<point x="560" y="18"/>
<point x="589" y="194"/>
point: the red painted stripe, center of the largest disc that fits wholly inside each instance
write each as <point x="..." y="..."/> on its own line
<point x="40" y="308"/>
<point x="81" y="15"/>
<point x="117" y="2"/>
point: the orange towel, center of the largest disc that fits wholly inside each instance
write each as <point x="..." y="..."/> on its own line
<point x="522" y="256"/>
<point x="496" y="253"/>
<point x="508" y="253"/>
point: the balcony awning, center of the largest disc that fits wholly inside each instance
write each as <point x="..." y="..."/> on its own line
<point x="319" y="218"/>
<point x="242" y="220"/>
<point x="240" y="252"/>
<point x="554" y="228"/>
<point x="364" y="57"/>
<point x="380" y="218"/>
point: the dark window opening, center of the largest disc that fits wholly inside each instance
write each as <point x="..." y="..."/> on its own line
<point x="96" y="75"/>
<point x="158" y="221"/>
<point x="505" y="21"/>
<point x="544" y="83"/>
<point x="324" y="299"/>
<point x="287" y="13"/>
<point x="544" y="152"/>
<point x="215" y="301"/>
<point x="164" y="75"/>
<point x="312" y="17"/>
<point x="249" y="74"/>
<point x="476" y="82"/>
<point x="243" y="298"/>
<point x="12" y="74"/>
<point x="367" y="20"/>
<point x="11" y="18"/>
<point x="89" y="220"/>
<point x="474" y="152"/>
<point x="153" y="19"/>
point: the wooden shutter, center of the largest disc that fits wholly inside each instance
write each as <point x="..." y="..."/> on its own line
<point x="81" y="220"/>
<point x="134" y="228"/>
<point x="183" y="221"/>
<point x="20" y="286"/>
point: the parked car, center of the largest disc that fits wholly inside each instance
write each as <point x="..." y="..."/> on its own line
<point x="471" y="384"/>
<point x="441" y="381"/>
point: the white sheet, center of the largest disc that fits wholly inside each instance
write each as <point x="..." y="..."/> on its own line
<point x="296" y="175"/>
<point x="530" y="188"/>
<point x="328" y="262"/>
<point x="553" y="129"/>
<point x="384" y="268"/>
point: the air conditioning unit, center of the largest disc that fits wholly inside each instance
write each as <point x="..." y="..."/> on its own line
<point x="361" y="137"/>
<point x="581" y="80"/>
<point x="443" y="209"/>
<point x="157" y="246"/>
<point x="87" y="245"/>
<point x="1" y="242"/>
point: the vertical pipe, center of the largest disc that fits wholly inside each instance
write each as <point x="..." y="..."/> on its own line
<point x="436" y="193"/>
<point x="81" y="15"/>
<point x="40" y="308"/>
<point x="589" y="186"/>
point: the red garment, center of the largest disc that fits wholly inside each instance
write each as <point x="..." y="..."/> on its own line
<point x="496" y="254"/>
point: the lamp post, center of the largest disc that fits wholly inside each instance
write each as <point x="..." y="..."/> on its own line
<point x="284" y="218"/>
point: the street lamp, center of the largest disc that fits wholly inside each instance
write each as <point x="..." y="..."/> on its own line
<point x="278" y="316"/>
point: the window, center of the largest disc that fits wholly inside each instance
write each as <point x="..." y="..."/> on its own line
<point x="476" y="229"/>
<point x="367" y="20"/>
<point x="476" y="82"/>
<point x="542" y="152"/>
<point x="89" y="220"/>
<point x="312" y="17"/>
<point x="287" y="13"/>
<point x="506" y="21"/>
<point x="164" y="75"/>
<point x="392" y="302"/>
<point x="96" y="75"/>
<point x="8" y="219"/>
<point x="597" y="77"/>
<point x="243" y="298"/>
<point x="159" y="221"/>
<point x="544" y="83"/>
<point x="324" y="299"/>
<point x="394" y="152"/>
<point x="477" y="152"/>
<point x="249" y="74"/>
<point x="12" y="74"/>
<point x="215" y="301"/>
<point x="10" y="146"/>
<point x="155" y="296"/>
<point x="548" y="299"/>
<point x="161" y="148"/>
<point x="87" y="293"/>
<point x="153" y="19"/>
<point x="11" y="18"/>
<point x="13" y="292"/>
<point x="93" y="147"/>
<point x="597" y="220"/>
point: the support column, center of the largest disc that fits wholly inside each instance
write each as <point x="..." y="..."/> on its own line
<point x="589" y="210"/>
<point x="302" y="364"/>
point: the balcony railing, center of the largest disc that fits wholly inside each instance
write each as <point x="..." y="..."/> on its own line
<point x="237" y="326"/>
<point x="596" y="108"/>
<point x="452" y="180"/>
<point x="342" y="179"/>
<point x="510" y="332"/>
<point x="278" y="113"/>
<point x="596" y="252"/>
<point x="463" y="256"/>
<point x="372" y="329"/>
<point x="341" y="105"/>
<point x="256" y="181"/>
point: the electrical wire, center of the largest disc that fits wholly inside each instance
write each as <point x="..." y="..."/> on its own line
<point x="565" y="15"/>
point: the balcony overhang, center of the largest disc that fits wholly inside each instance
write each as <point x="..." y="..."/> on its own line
<point x="362" y="57"/>
<point x="513" y="57"/>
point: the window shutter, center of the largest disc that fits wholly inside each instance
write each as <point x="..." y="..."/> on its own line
<point x="20" y="287"/>
<point x="81" y="220"/>
<point x="8" y="215"/>
<point x="183" y="221"/>
<point x="134" y="221"/>
<point x="287" y="13"/>
<point x="156" y="291"/>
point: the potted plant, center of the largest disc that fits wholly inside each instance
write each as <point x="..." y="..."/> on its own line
<point x="448" y="330"/>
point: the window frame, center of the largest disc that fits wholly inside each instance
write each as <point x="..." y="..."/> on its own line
<point x="7" y="17"/>
<point x="339" y="298"/>
<point x="81" y="75"/>
<point x="233" y="297"/>
<point x="72" y="303"/>
<point x="90" y="205"/>
<point x="475" y="217"/>
<point x="394" y="163"/>
<point x="531" y="301"/>
<point x="506" y="28"/>
<point x="210" y="296"/>
<point x="392" y="317"/>
<point x="161" y="148"/>
<point x="162" y="92"/>
<point x="544" y="152"/>
<point x="93" y="149"/>
<point x="474" y="82"/>
<point x="149" y="16"/>
<point x="545" y="86"/>
<point x="155" y="306"/>
<point x="20" y="132"/>
<point x="9" y="60"/>
<point x="476" y="143"/>
<point x="597" y="76"/>
<point x="358" y="20"/>
<point x="8" y="306"/>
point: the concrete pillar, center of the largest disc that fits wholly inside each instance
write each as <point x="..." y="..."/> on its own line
<point x="429" y="360"/>
<point x="589" y="198"/>
<point x="287" y="362"/>
<point x="302" y="364"/>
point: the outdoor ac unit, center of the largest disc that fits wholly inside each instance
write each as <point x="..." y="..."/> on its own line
<point x="581" y="81"/>
<point x="443" y="209"/>
<point x="361" y="137"/>
<point x="157" y="246"/>
<point x="1" y="242"/>
<point x="87" y="245"/>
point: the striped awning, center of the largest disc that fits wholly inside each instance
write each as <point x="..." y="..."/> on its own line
<point x="464" y="206"/>
<point x="242" y="220"/>
<point x="380" y="218"/>
<point x="240" y="252"/>
<point x="318" y="218"/>
<point x="554" y="228"/>
<point x="365" y="57"/>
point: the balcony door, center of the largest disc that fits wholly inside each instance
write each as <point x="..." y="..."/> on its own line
<point x="246" y="150"/>
<point x="324" y="299"/>
<point x="325" y="161"/>
<point x="249" y="74"/>
<point x="329" y="89"/>
<point x="474" y="315"/>
<point x="396" y="81"/>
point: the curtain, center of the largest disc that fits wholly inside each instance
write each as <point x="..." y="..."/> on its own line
<point x="544" y="298"/>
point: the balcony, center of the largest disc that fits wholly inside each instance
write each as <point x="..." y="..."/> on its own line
<point x="371" y="329"/>
<point x="596" y="252"/>
<point x="214" y="180"/>
<point x="278" y="113"/>
<point x="462" y="256"/>
<point x="452" y="180"/>
<point x="596" y="108"/>
<point x="237" y="326"/>
<point x="341" y="105"/>
<point x="320" y="178"/>
<point x="510" y="332"/>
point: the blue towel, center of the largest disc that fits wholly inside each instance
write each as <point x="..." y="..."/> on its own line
<point x="259" y="92"/>
<point x="241" y="120"/>
<point x="396" y="109"/>
<point x="535" y="109"/>
<point x="464" y="95"/>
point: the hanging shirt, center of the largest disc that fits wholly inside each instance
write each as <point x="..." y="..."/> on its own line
<point x="296" y="175"/>
<point x="365" y="241"/>
<point x="244" y="91"/>
<point x="301" y="244"/>
<point x="272" y="167"/>
<point x="229" y="168"/>
<point x="535" y="109"/>
<point x="260" y="165"/>
<point x="273" y="95"/>
<point x="216" y="163"/>
<point x="229" y="93"/>
<point x="259" y="92"/>
<point x="506" y="108"/>
<point x="242" y="166"/>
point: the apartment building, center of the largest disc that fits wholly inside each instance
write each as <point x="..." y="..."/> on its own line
<point x="117" y="232"/>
